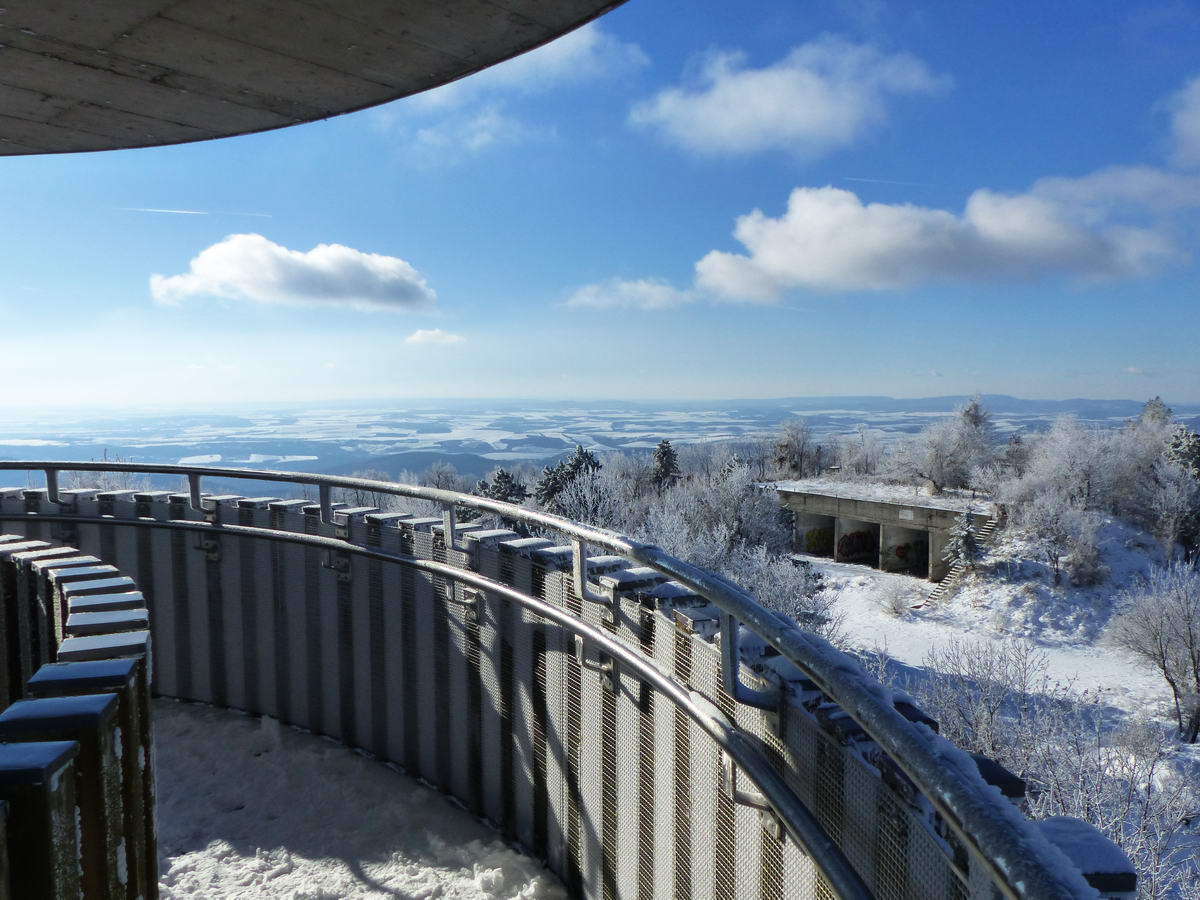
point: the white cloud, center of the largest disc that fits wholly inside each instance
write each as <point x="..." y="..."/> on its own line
<point x="472" y="115"/>
<point x="433" y="336"/>
<point x="251" y="268"/>
<point x="1184" y="109"/>
<point x="645" y="293"/>
<point x="455" y="136"/>
<point x="586" y="54"/>
<point x="823" y="95"/>
<point x="1108" y="224"/>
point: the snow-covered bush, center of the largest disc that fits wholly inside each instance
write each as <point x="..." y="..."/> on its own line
<point x="1085" y="564"/>
<point x="998" y="699"/>
<point x="792" y="588"/>
<point x="896" y="597"/>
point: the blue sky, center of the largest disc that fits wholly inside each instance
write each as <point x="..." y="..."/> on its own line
<point x="693" y="200"/>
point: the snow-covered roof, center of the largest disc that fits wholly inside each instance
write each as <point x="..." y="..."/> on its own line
<point x="882" y="492"/>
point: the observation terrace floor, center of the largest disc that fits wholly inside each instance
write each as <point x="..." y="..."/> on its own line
<point x="251" y="808"/>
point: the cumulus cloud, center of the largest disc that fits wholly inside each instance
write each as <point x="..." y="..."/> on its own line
<point x="251" y="268"/>
<point x="1184" y="109"/>
<point x="823" y="95"/>
<point x="433" y="336"/>
<point x="1106" y="225"/>
<point x="645" y="293"/>
<point x="473" y="114"/>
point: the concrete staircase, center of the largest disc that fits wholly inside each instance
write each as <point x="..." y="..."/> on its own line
<point x="986" y="536"/>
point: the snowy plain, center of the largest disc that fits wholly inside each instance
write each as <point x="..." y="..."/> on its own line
<point x="249" y="809"/>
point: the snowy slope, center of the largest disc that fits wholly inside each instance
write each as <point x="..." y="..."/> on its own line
<point x="1013" y="598"/>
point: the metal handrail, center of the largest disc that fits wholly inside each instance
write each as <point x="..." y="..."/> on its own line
<point x="777" y="796"/>
<point x="1020" y="862"/>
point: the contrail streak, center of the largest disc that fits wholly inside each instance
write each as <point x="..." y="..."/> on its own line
<point x="191" y="212"/>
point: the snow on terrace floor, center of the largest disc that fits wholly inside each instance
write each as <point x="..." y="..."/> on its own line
<point x="251" y="809"/>
<point x="971" y="614"/>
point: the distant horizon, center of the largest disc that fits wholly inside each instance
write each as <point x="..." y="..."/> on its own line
<point x="201" y="408"/>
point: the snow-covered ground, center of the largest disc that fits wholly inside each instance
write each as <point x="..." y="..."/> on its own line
<point x="251" y="809"/>
<point x="1013" y="598"/>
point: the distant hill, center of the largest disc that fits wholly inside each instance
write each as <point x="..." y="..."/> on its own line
<point x="417" y="461"/>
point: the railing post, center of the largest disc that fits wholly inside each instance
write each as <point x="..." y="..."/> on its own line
<point x="194" y="495"/>
<point x="325" y="498"/>
<point x="92" y="721"/>
<point x="52" y="486"/>
<point x="38" y="782"/>
<point x="731" y="664"/>
<point x="125" y="678"/>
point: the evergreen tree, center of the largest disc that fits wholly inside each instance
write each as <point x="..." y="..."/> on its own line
<point x="963" y="545"/>
<point x="557" y="477"/>
<point x="503" y="487"/>
<point x="666" y="464"/>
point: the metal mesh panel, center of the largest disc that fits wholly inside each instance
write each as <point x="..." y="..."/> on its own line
<point x="618" y="790"/>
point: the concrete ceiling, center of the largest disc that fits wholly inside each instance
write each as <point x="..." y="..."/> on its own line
<point x="81" y="75"/>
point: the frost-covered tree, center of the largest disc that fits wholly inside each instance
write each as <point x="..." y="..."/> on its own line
<point x="862" y="452"/>
<point x="1156" y="412"/>
<point x="1175" y="506"/>
<point x="1072" y="462"/>
<point x="947" y="452"/>
<point x="1183" y="448"/>
<point x="701" y="519"/>
<point x="934" y="456"/>
<point x="1016" y="455"/>
<point x="794" y="450"/>
<point x="1160" y="624"/>
<point x="666" y="464"/>
<point x="1053" y="521"/>
<point x="962" y="545"/>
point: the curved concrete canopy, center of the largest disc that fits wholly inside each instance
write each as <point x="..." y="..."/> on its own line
<point x="104" y="74"/>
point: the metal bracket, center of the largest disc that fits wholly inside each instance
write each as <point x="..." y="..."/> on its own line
<point x="729" y="787"/>
<point x="605" y="665"/>
<point x="731" y="663"/>
<point x="211" y="547"/>
<point x="67" y="534"/>
<point x="340" y="563"/>
<point x="771" y="824"/>
<point x="472" y="603"/>
<point x="450" y="529"/>
<point x="579" y="574"/>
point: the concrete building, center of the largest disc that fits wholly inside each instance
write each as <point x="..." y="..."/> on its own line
<point x="852" y="523"/>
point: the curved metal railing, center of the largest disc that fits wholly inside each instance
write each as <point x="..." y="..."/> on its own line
<point x="1019" y="862"/>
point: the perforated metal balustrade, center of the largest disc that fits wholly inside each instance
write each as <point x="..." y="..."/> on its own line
<point x="587" y="705"/>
